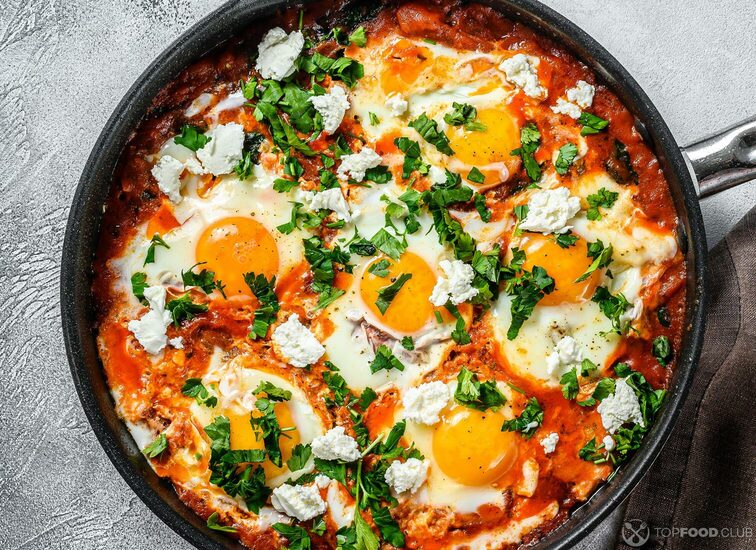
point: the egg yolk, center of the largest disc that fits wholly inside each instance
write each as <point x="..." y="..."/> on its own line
<point x="243" y="436"/>
<point x="494" y="144"/>
<point x="410" y="309"/>
<point x="469" y="446"/>
<point x="404" y="63"/>
<point x="564" y="265"/>
<point x="234" y="246"/>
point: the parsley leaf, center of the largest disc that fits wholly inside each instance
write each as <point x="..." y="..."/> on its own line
<point x="662" y="314"/>
<point x="602" y="257"/>
<point x="566" y="240"/>
<point x="380" y="268"/>
<point x="155" y="241"/>
<point x="530" y="140"/>
<point x="387" y="294"/>
<point x="528" y="289"/>
<point x="662" y="350"/>
<point x="385" y="360"/>
<point x="528" y="421"/>
<point x="358" y="37"/>
<point x="483" y="210"/>
<point x="603" y="389"/>
<point x="204" y="279"/>
<point x="267" y="424"/>
<point x="367" y="396"/>
<point x="193" y="387"/>
<point x="472" y="393"/>
<point x="265" y="314"/>
<point x="464" y="114"/>
<point x="138" y="284"/>
<point x="412" y="158"/>
<point x="297" y="536"/>
<point x="157" y="446"/>
<point x="374" y="120"/>
<point x="567" y="154"/>
<point x="592" y="124"/>
<point x="569" y="382"/>
<point x="604" y="198"/>
<point x="365" y="538"/>
<point x="388" y="244"/>
<point x="388" y="526"/>
<point x="408" y="343"/>
<point x="476" y="176"/>
<point x="346" y="69"/>
<point x="191" y="137"/>
<point x="183" y="309"/>
<point x="428" y="129"/>
<point x="299" y="457"/>
<point x="212" y="523"/>
<point x="612" y="306"/>
<point x="250" y="155"/>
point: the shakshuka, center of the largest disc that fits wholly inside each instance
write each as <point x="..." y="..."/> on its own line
<point x="399" y="275"/>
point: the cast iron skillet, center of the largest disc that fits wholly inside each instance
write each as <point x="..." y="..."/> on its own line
<point x="719" y="162"/>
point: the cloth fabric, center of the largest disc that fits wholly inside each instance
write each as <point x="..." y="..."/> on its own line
<point x="705" y="476"/>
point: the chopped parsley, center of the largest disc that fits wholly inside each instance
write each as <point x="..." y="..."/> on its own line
<point x="477" y="395"/>
<point x="662" y="314"/>
<point x="193" y="387"/>
<point x="250" y="155"/>
<point x="322" y="262"/>
<point x="155" y="241"/>
<point x="157" y="447"/>
<point x="567" y="154"/>
<point x="603" y="198"/>
<point x="367" y="396"/>
<point x="380" y="268"/>
<point x="212" y="523"/>
<point x="300" y="454"/>
<point x="569" y="382"/>
<point x="184" y="309"/>
<point x="358" y="37"/>
<point x="528" y="421"/>
<point x="527" y="287"/>
<point x="566" y="240"/>
<point x="602" y="257"/>
<point x="138" y="284"/>
<point x="612" y="306"/>
<point x="604" y="388"/>
<point x="265" y="314"/>
<point x="204" y="279"/>
<point x="476" y="176"/>
<point x="530" y="140"/>
<point x="374" y="120"/>
<point x="662" y="350"/>
<point x="591" y="123"/>
<point x="267" y="425"/>
<point x="388" y="244"/>
<point x="346" y="69"/>
<point x="298" y="537"/>
<point x="408" y="343"/>
<point x="428" y="129"/>
<point x="385" y="360"/>
<point x="464" y="114"/>
<point x="387" y="294"/>
<point x="412" y="159"/>
<point x="191" y="137"/>
<point x="480" y="206"/>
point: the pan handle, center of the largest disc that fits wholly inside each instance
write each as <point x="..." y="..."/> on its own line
<point x="725" y="159"/>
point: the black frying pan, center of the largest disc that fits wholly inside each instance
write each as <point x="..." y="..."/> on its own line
<point x="720" y="162"/>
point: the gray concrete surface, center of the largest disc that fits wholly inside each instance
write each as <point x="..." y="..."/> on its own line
<point x="64" y="64"/>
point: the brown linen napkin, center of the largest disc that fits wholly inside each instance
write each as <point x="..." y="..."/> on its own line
<point x="705" y="476"/>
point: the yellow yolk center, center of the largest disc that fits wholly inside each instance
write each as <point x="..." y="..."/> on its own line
<point x="564" y="265"/>
<point x="470" y="447"/>
<point x="492" y="145"/>
<point x="243" y="436"/>
<point x="235" y="246"/>
<point x="410" y="309"/>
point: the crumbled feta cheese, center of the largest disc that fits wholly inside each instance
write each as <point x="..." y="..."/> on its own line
<point x="437" y="175"/>
<point x="568" y="108"/>
<point x="549" y="210"/>
<point x="631" y="314"/>
<point x="167" y="173"/>
<point x="194" y="166"/>
<point x="356" y="164"/>
<point x="224" y="150"/>
<point x="277" y="53"/>
<point x="177" y="342"/>
<point x="530" y="426"/>
<point x="302" y="502"/>
<point x="549" y="443"/>
<point x="582" y="94"/>
<point x="609" y="443"/>
<point x="423" y="403"/>
<point x="150" y="329"/>
<point x="331" y="107"/>
<point x="620" y="407"/>
<point x="456" y="286"/>
<point x="322" y="481"/>
<point x="330" y="199"/>
<point x="335" y="445"/>
<point x="397" y="104"/>
<point x="566" y="354"/>
<point x="407" y="476"/>
<point x="296" y="343"/>
<point x="520" y="71"/>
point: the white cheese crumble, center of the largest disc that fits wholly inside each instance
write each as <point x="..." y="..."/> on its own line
<point x="566" y="353"/>
<point x="436" y="174"/>
<point x="620" y="407"/>
<point x="331" y="107"/>
<point x="330" y="199"/>
<point x="456" y="286"/>
<point x="167" y="173"/>
<point x="356" y="164"/>
<point x="568" y="108"/>
<point x="277" y="53"/>
<point x="520" y="71"/>
<point x="177" y="342"/>
<point x="335" y="445"/>
<point x="631" y="314"/>
<point x="297" y="343"/>
<point x="407" y="476"/>
<point x="423" y="404"/>
<point x="150" y="329"/>
<point x="549" y="210"/>
<point x="396" y="104"/>
<point x="609" y="443"/>
<point x="549" y="443"/>
<point x="582" y="94"/>
<point x="224" y="150"/>
<point x="302" y="502"/>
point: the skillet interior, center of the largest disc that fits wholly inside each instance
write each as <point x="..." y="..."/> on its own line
<point x="86" y="213"/>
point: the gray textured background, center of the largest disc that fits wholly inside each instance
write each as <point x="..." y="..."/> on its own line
<point x="64" y="64"/>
